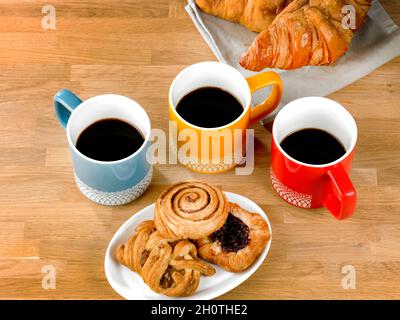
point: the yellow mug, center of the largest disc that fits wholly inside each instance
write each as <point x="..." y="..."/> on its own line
<point x="214" y="150"/>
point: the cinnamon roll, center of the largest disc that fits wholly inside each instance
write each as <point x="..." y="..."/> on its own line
<point x="238" y="243"/>
<point x="190" y="210"/>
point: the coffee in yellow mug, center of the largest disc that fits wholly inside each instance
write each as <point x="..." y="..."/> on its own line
<point x="210" y="104"/>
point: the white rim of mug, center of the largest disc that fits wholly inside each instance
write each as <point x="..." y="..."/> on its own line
<point x="82" y="105"/>
<point x="186" y="70"/>
<point x="323" y="100"/>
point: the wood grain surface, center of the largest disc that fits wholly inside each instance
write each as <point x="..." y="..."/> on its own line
<point x="135" y="48"/>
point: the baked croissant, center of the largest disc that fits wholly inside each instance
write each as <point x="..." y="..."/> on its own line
<point x="306" y="32"/>
<point x="256" y="15"/>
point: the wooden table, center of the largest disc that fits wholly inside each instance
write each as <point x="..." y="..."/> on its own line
<point x="135" y="48"/>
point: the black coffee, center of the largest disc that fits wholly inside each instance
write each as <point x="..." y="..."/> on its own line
<point x="313" y="146"/>
<point x="209" y="107"/>
<point x="109" y="140"/>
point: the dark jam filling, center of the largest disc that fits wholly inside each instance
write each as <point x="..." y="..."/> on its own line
<point x="233" y="236"/>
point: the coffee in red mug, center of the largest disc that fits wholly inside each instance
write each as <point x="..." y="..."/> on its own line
<point x="310" y="185"/>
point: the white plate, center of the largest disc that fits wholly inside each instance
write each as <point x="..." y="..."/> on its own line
<point x="130" y="285"/>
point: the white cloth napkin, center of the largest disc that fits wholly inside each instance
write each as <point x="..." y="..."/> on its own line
<point x="375" y="44"/>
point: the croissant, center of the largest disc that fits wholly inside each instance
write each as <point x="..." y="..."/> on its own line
<point x="306" y="32"/>
<point x="256" y="15"/>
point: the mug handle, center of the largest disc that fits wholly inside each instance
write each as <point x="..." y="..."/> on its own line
<point x="64" y="103"/>
<point x="341" y="196"/>
<point x="259" y="81"/>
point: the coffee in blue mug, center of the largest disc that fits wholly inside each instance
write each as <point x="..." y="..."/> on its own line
<point x="108" y="138"/>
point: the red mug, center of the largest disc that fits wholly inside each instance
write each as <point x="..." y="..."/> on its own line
<point x="312" y="186"/>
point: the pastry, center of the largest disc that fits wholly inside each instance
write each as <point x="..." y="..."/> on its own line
<point x="306" y="32"/>
<point x="167" y="267"/>
<point x="238" y="243"/>
<point x="175" y="271"/>
<point x="190" y="210"/>
<point x="193" y="220"/>
<point x="134" y="253"/>
<point x="255" y="15"/>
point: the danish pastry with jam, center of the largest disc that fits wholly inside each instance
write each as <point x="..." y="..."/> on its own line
<point x="238" y="243"/>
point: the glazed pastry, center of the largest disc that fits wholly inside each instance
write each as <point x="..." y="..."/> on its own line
<point x="255" y="15"/>
<point x="306" y="32"/>
<point x="238" y="243"/>
<point x="134" y="253"/>
<point x="190" y="210"/>
<point x="175" y="271"/>
<point x="167" y="267"/>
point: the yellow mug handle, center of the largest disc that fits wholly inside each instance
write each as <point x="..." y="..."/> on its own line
<point x="259" y="81"/>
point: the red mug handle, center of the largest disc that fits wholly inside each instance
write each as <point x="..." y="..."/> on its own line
<point x="341" y="197"/>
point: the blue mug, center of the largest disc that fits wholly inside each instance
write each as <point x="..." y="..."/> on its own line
<point x="112" y="182"/>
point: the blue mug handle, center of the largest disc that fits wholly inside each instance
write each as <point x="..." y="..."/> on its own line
<point x="64" y="103"/>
